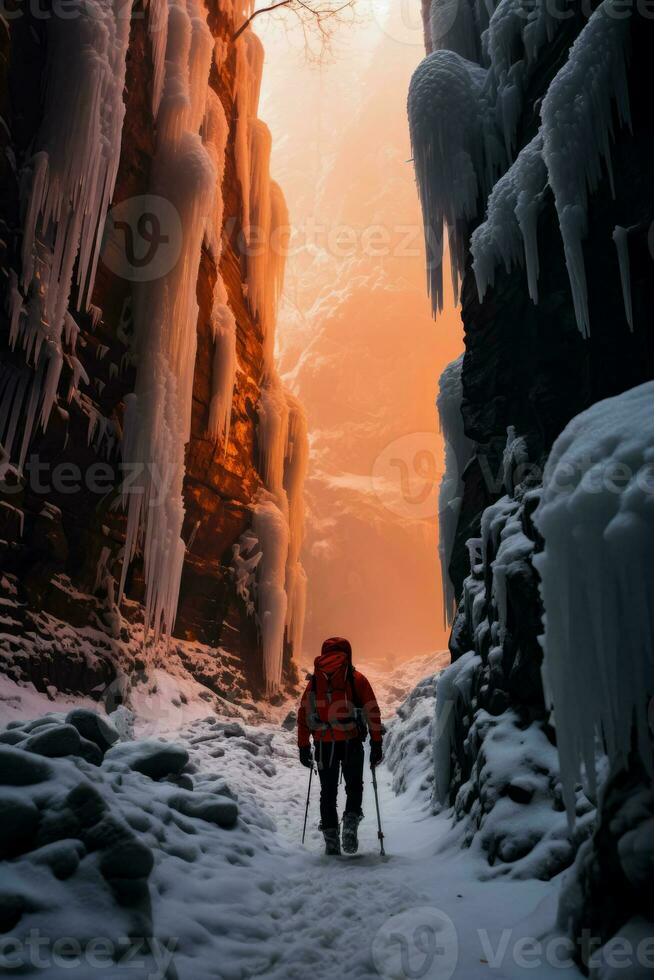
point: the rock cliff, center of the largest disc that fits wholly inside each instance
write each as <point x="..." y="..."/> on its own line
<point x="168" y="306"/>
<point x="544" y="188"/>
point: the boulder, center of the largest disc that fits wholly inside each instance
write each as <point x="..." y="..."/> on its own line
<point x="19" y="820"/>
<point x="62" y="857"/>
<point x="54" y="741"/>
<point x="152" y="757"/>
<point x="91" y="752"/>
<point x="290" y="721"/>
<point x="20" y="768"/>
<point x="219" y="810"/>
<point x="12" y="737"/>
<point x="129" y="858"/>
<point x="94" y="727"/>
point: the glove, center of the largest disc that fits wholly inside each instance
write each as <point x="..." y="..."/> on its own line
<point x="306" y="756"/>
<point x="376" y="754"/>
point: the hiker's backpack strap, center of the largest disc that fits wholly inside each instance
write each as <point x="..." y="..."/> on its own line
<point x="359" y="713"/>
<point x="314" y="721"/>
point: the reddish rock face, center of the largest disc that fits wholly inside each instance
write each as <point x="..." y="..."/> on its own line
<point x="53" y="538"/>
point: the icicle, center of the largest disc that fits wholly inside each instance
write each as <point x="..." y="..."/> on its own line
<point x="447" y="136"/>
<point x="158" y="34"/>
<point x="158" y="414"/>
<point x="578" y="128"/>
<point x="215" y="132"/>
<point x="598" y="591"/>
<point x="247" y="88"/>
<point x="246" y="555"/>
<point x="68" y="185"/>
<point x="295" y="469"/>
<point x="270" y="527"/>
<point x="454" y="686"/>
<point x="273" y="434"/>
<point x="457" y="453"/>
<point x="621" y="239"/>
<point x="509" y="233"/>
<point x="223" y="326"/>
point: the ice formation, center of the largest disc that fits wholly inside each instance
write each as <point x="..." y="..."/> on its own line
<point x="463" y="118"/>
<point x="596" y="516"/>
<point x="457" y="452"/>
<point x="446" y="123"/>
<point x="273" y="431"/>
<point x="284" y="449"/>
<point x="621" y="240"/>
<point x="454" y="684"/>
<point x="249" y="68"/>
<point x="514" y="457"/>
<point x="295" y="469"/>
<point x="223" y="328"/>
<point x="158" y="414"/>
<point x="577" y="115"/>
<point x="270" y="526"/>
<point x="68" y="186"/>
<point x="67" y="189"/>
<point x="509" y="233"/>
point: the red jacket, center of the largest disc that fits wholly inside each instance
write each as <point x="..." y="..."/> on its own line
<point x="364" y="694"/>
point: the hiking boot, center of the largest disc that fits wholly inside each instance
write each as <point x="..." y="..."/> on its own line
<point x="351" y="823"/>
<point x="332" y="841"/>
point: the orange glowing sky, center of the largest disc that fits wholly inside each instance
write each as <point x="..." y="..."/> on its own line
<point x="356" y="341"/>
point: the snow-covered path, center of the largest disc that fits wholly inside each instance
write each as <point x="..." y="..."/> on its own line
<point x="250" y="901"/>
<point x="282" y="912"/>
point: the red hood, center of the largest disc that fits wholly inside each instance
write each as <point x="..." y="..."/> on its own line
<point x="335" y="643"/>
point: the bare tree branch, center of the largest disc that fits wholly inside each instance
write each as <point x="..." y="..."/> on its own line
<point x="319" y="17"/>
<point x="262" y="10"/>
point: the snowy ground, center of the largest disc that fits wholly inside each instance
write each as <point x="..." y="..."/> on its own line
<point x="250" y="901"/>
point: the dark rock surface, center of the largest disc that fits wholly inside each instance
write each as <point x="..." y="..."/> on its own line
<point x="528" y="366"/>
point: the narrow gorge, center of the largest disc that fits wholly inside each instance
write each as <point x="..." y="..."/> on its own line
<point x="327" y="469"/>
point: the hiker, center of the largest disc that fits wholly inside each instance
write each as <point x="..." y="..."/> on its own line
<point x="339" y="708"/>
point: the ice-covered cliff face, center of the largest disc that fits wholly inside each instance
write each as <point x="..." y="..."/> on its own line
<point x="148" y="478"/>
<point x="533" y="146"/>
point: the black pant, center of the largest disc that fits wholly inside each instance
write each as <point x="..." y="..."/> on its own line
<point x="331" y="756"/>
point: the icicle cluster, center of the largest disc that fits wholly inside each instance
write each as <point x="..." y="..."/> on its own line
<point x="67" y="188"/>
<point x="446" y="123"/>
<point x="464" y="107"/>
<point x="457" y="452"/>
<point x="215" y="132"/>
<point x="158" y="414"/>
<point x="577" y="114"/>
<point x="284" y="446"/>
<point x="597" y="516"/>
<point x="509" y="233"/>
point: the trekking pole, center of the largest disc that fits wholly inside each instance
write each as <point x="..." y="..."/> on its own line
<point x="306" y="812"/>
<point x="380" y="833"/>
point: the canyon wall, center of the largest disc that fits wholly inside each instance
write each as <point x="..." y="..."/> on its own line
<point x="532" y="133"/>
<point x="143" y="254"/>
